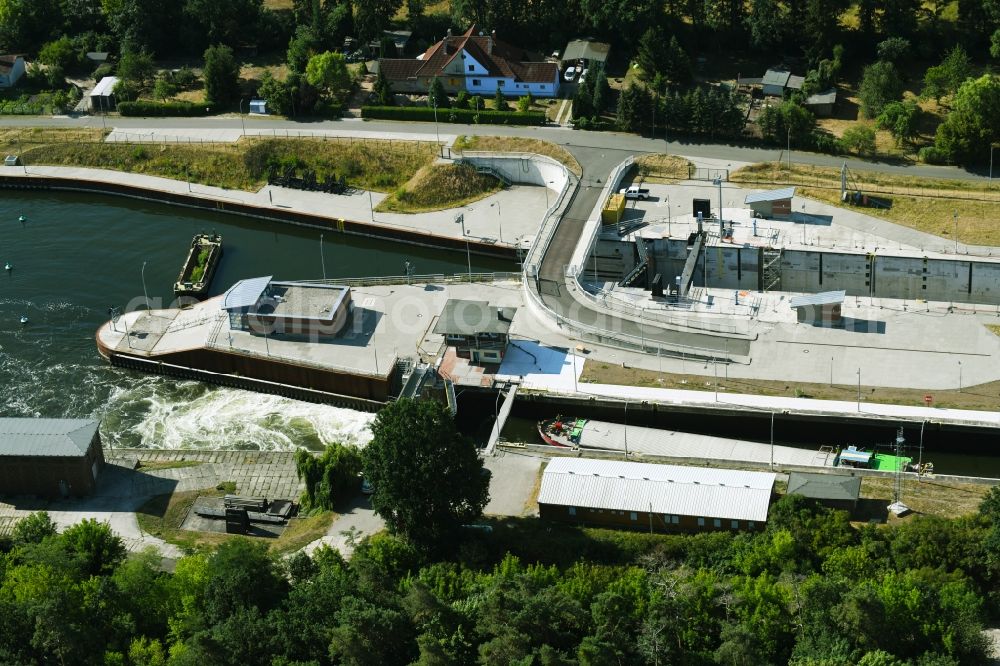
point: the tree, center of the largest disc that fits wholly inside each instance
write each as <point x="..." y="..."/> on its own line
<point x="860" y="139"/>
<point x="436" y="95"/>
<point x="428" y="479"/>
<point x="633" y="108"/>
<point x="524" y="104"/>
<point x="383" y="89"/>
<point x="767" y="22"/>
<point x="944" y="79"/>
<point x="677" y="67"/>
<point x="136" y="68"/>
<point x="222" y="76"/>
<point x="899" y="17"/>
<point x="893" y="50"/>
<point x="880" y="84"/>
<point x="34" y="529"/>
<point x="164" y="89"/>
<point x="653" y="55"/>
<point x="974" y="122"/>
<point x="25" y="24"/>
<point x="229" y="22"/>
<point x="100" y="549"/>
<point x="995" y="44"/>
<point x="276" y="93"/>
<point x="327" y="72"/>
<point x="303" y="46"/>
<point x="62" y="53"/>
<point x="499" y="101"/>
<point x="900" y="120"/>
<point x="371" y="17"/>
<point x="330" y="478"/>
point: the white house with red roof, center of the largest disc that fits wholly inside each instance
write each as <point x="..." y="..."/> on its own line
<point x="11" y="69"/>
<point x="476" y="63"/>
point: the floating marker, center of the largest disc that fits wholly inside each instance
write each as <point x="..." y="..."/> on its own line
<point x="22" y="219"/>
<point x="24" y="319"/>
<point x="7" y="267"/>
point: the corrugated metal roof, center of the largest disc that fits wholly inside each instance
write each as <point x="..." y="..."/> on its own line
<point x="795" y="82"/>
<point x="776" y="77"/>
<point x="46" y="437"/>
<point x="828" y="97"/>
<point x="824" y="486"/>
<point x="668" y="489"/>
<point x="770" y="195"/>
<point x="105" y="87"/>
<point x="586" y="49"/>
<point x="245" y="293"/>
<point x="822" y="298"/>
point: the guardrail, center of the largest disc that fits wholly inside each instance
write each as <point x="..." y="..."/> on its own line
<point x="434" y="278"/>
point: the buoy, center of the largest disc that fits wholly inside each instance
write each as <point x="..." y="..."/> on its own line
<point x="24" y="319"/>
<point x="22" y="219"/>
<point x="8" y="267"/>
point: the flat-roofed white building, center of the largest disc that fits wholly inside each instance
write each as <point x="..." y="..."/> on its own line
<point x="662" y="498"/>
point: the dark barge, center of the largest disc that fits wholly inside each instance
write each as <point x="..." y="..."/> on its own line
<point x="203" y="258"/>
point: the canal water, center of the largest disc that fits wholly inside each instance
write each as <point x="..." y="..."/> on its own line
<point x="77" y="255"/>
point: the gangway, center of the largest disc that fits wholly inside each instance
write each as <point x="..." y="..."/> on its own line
<point x="502" y="414"/>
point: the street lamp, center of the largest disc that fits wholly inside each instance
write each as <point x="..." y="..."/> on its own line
<point x="460" y="218"/>
<point x="772" y="441"/>
<point x="242" y="121"/>
<point x="718" y="183"/>
<point x="959" y="376"/>
<point x="626" y="430"/>
<point x="499" y="218"/>
<point x="859" y="389"/>
<point x="954" y="217"/>
<point x="436" y="132"/>
<point x="322" y="259"/>
<point x="143" y="274"/>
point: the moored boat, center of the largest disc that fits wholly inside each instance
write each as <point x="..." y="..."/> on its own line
<point x="561" y="432"/>
<point x="203" y="258"/>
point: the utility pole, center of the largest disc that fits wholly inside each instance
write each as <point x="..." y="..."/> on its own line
<point x="772" y="441"/>
<point x="626" y="430"/>
<point x="859" y="389"/>
<point x="468" y="254"/>
<point x="322" y="259"/>
<point x="143" y="274"/>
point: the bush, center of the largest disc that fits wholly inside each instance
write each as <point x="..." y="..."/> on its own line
<point x="859" y="138"/>
<point x="826" y="143"/>
<point x="147" y="108"/>
<point x="932" y="155"/>
<point x="454" y="115"/>
<point x="462" y="100"/>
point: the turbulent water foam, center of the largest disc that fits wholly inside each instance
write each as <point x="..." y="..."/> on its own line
<point x="173" y="415"/>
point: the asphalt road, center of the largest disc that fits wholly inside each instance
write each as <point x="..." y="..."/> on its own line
<point x="594" y="141"/>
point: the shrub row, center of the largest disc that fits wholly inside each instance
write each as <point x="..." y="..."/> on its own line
<point x="147" y="108"/>
<point x="451" y="115"/>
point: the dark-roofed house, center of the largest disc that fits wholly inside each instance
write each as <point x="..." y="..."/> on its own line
<point x="11" y="69"/>
<point x="49" y="457"/>
<point x="822" y="103"/>
<point x="475" y="63"/>
<point x="837" y="491"/>
<point x="476" y="329"/>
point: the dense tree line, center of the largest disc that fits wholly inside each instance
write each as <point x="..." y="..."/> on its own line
<point x="811" y="590"/>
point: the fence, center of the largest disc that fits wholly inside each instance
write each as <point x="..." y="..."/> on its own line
<point x="435" y="278"/>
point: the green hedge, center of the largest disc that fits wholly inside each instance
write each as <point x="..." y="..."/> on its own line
<point x="451" y="115"/>
<point x="145" y="108"/>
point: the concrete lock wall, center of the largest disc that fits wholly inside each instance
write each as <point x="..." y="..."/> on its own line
<point x="524" y="169"/>
<point x="731" y="267"/>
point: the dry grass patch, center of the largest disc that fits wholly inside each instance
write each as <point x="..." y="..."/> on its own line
<point x="376" y="165"/>
<point x="947" y="499"/>
<point x="661" y="168"/>
<point x="925" y="204"/>
<point x="440" y="186"/>
<point x="977" y="397"/>
<point x="993" y="328"/>
<point x="514" y="144"/>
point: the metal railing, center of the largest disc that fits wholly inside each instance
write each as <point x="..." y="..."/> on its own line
<point x="434" y="278"/>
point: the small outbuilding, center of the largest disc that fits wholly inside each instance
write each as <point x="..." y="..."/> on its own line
<point x="822" y="309"/>
<point x="102" y="97"/>
<point x="773" y="204"/>
<point x="662" y="498"/>
<point x="49" y="457"/>
<point x="258" y="107"/>
<point x="837" y="491"/>
<point x="11" y="70"/>
<point x="267" y="307"/>
<point x="476" y="329"/>
<point x="776" y="81"/>
<point x="821" y="104"/>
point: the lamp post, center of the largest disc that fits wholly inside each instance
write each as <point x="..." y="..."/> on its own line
<point x="859" y="389"/>
<point x="460" y="218"/>
<point x="436" y="132"/>
<point x="499" y="218"/>
<point x="143" y="274"/>
<point x="789" y="148"/>
<point x="959" y="376"/>
<point x="772" y="441"/>
<point x="718" y="183"/>
<point x="626" y="430"/>
<point x="322" y="259"/>
<point x="243" y="123"/>
<point x="954" y="217"/>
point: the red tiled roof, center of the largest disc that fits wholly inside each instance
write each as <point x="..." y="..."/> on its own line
<point x="499" y="58"/>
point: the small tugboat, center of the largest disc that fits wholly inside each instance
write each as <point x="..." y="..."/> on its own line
<point x="202" y="260"/>
<point x="852" y="456"/>
<point x="560" y="432"/>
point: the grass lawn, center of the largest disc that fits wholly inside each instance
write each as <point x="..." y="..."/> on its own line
<point x="440" y="186"/>
<point x="513" y="144"/>
<point x="381" y="166"/>
<point x="163" y="515"/>
<point x="947" y="499"/>
<point x="977" y="397"/>
<point x="925" y="204"/>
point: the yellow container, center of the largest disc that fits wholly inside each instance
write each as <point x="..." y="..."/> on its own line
<point x="614" y="209"/>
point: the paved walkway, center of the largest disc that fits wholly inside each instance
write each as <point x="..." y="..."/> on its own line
<point x="502" y="218"/>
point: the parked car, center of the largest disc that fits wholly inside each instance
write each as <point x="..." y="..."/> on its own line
<point x="366" y="486"/>
<point x="570" y="74"/>
<point x="583" y="75"/>
<point x="635" y="192"/>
